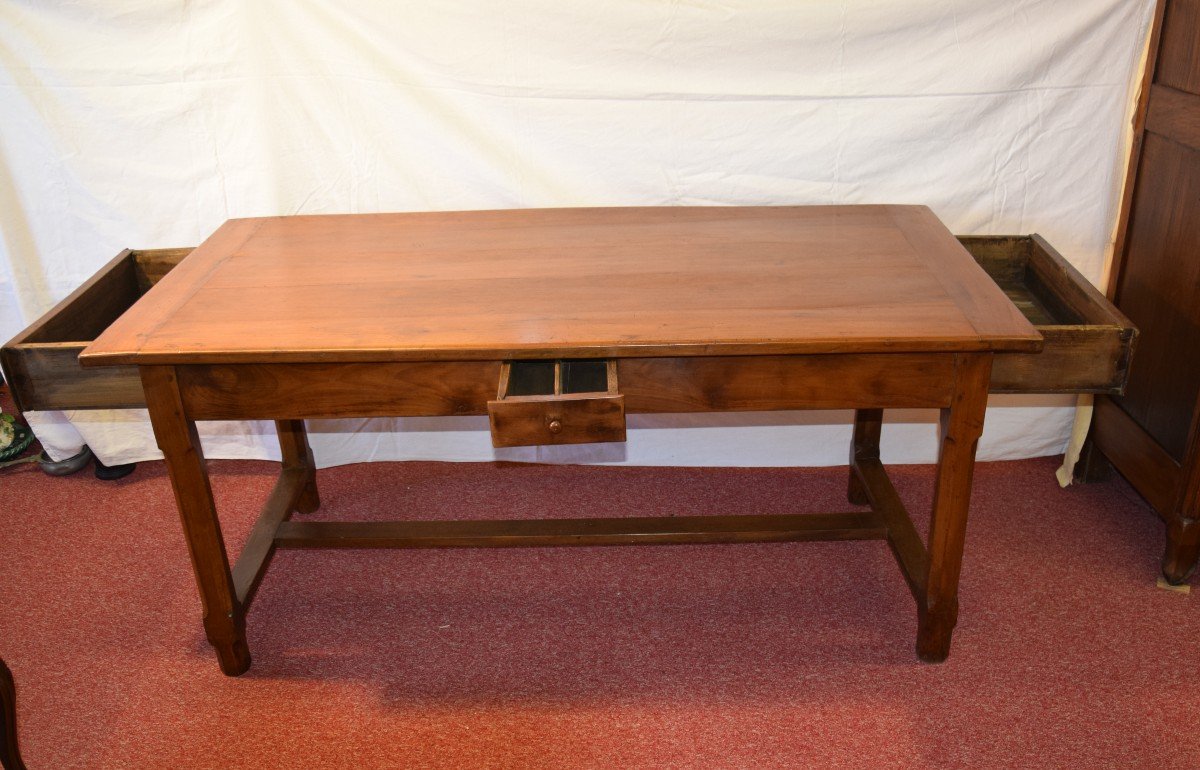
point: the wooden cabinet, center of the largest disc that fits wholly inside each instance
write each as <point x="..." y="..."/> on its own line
<point x="1150" y="433"/>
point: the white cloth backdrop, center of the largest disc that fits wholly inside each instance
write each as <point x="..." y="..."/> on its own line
<point x="147" y="124"/>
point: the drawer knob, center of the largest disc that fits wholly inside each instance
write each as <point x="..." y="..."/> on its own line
<point x="555" y="426"/>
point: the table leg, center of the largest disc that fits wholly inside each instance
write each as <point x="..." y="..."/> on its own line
<point x="1183" y="549"/>
<point x="868" y="423"/>
<point x="293" y="443"/>
<point x="960" y="428"/>
<point x="10" y="754"/>
<point x="224" y="616"/>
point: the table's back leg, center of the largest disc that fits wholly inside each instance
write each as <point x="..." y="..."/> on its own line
<point x="868" y="423"/>
<point x="224" y="617"/>
<point x="293" y="443"/>
<point x="960" y="427"/>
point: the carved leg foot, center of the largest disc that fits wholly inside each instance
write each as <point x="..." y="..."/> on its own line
<point x="227" y="636"/>
<point x="935" y="627"/>
<point x="1183" y="550"/>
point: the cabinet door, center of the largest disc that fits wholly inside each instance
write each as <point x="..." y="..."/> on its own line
<point x="1157" y="277"/>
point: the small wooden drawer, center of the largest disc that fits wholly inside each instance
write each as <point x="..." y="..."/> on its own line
<point x="557" y="402"/>
<point x="1088" y="342"/>
<point x="41" y="363"/>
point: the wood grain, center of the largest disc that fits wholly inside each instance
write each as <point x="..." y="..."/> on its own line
<point x="42" y="362"/>
<point x="292" y="391"/>
<point x="224" y="615"/>
<point x="735" y="383"/>
<point x="960" y="426"/>
<point x="150" y="265"/>
<point x="902" y="536"/>
<point x="1160" y="291"/>
<point x="864" y="447"/>
<point x="868" y="307"/>
<point x="1152" y="471"/>
<point x="630" y="530"/>
<point x="1179" y="57"/>
<point x="564" y="419"/>
<point x="47" y="375"/>
<point x="89" y="310"/>
<point x="1175" y="115"/>
<point x="1152" y="433"/>
<point x="256" y="554"/>
<point x="567" y="283"/>
<point x="1088" y="344"/>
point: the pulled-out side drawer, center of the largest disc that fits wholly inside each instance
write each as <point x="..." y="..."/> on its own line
<point x="557" y="402"/>
<point x="1088" y="342"/>
<point x="1088" y="346"/>
<point x="41" y="363"/>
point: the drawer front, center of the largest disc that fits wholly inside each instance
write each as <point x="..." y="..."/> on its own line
<point x="1088" y="342"/>
<point x="48" y="377"/>
<point x="1073" y="360"/>
<point x="568" y="419"/>
<point x="557" y="402"/>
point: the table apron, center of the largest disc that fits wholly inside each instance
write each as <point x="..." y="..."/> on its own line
<point x="650" y="385"/>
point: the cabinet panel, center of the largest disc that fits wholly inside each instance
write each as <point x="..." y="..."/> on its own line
<point x="1179" y="56"/>
<point x="1160" y="292"/>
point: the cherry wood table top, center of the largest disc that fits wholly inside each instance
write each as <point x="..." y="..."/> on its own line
<point x="552" y="283"/>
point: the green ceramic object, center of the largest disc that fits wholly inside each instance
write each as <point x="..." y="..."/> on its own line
<point x="22" y="438"/>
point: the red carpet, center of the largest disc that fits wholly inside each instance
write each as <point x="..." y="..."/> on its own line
<point x="780" y="655"/>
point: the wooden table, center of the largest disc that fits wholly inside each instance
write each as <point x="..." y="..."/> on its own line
<point x="676" y="309"/>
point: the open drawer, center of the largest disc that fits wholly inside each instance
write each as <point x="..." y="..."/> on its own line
<point x="41" y="363"/>
<point x="557" y="402"/>
<point x="1088" y="345"/>
<point x="1088" y="342"/>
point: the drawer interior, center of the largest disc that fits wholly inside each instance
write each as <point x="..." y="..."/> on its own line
<point x="1088" y="342"/>
<point x="42" y="362"/>
<point x="1010" y="261"/>
<point x="521" y="379"/>
<point x="82" y="316"/>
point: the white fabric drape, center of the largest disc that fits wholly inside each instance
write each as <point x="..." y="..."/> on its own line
<point x="148" y="124"/>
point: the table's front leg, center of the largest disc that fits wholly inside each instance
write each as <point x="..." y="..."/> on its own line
<point x="960" y="428"/>
<point x="224" y="616"/>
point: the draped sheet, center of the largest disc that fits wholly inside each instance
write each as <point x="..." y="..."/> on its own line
<point x="146" y="125"/>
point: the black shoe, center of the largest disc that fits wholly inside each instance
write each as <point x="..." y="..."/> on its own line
<point x="113" y="472"/>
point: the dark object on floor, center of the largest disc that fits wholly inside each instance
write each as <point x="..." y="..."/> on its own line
<point x="113" y="472"/>
<point x="1151" y="434"/>
<point x="22" y="439"/>
<point x="10" y="754"/>
<point x="66" y="467"/>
